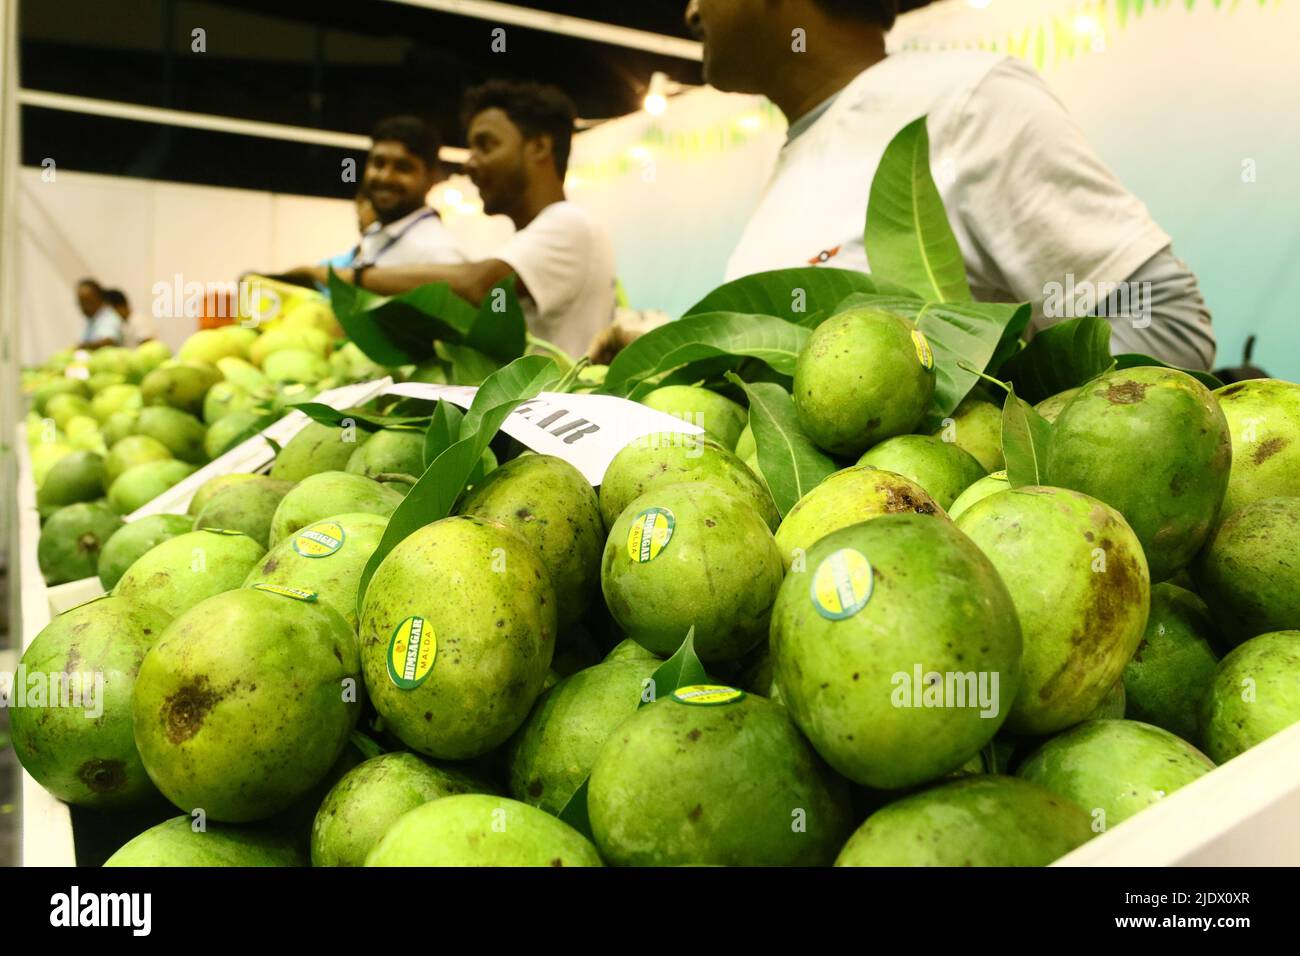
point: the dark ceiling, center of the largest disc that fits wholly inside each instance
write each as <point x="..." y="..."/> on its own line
<point x="332" y="66"/>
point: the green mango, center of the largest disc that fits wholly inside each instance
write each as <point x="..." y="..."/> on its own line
<point x="245" y="703"/>
<point x="182" y="386"/>
<point x="473" y="829"/>
<point x="691" y="555"/>
<point x="457" y="633"/>
<point x="326" y="558"/>
<point x="555" y="749"/>
<point x="1114" y="768"/>
<point x="846" y="498"/>
<point x="1263" y="418"/>
<point x="976" y="428"/>
<point x="974" y="821"/>
<point x="864" y="376"/>
<point x="129" y="452"/>
<point x="548" y="502"/>
<point x="1254" y="695"/>
<point x="389" y="451"/>
<point x="1082" y="613"/>
<point x="245" y="506"/>
<point x="326" y="494"/>
<point x="85" y="753"/>
<point x="69" y="545"/>
<point x="710" y="775"/>
<point x="942" y="468"/>
<point x="373" y="796"/>
<point x="189" y="568"/>
<point x="1174" y="665"/>
<point x="722" y="419"/>
<point x="1248" y="574"/>
<point x="74" y="478"/>
<point x="141" y="484"/>
<point x="883" y="610"/>
<point x="1153" y="444"/>
<point x="134" y="541"/>
<point x="315" y="449"/>
<point x="666" y="459"/>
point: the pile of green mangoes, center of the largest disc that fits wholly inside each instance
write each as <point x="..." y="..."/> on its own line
<point x="917" y="664"/>
<point x="109" y="434"/>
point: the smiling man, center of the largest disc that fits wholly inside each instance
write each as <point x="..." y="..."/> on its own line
<point x="401" y="167"/>
<point x="520" y="135"/>
<point x="1033" y="208"/>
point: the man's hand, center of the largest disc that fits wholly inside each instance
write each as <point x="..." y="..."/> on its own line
<point x="320" y="275"/>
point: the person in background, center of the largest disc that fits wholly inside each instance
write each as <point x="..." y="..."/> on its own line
<point x="1030" y="202"/>
<point x="103" y="324"/>
<point x="137" y="329"/>
<point x="365" y="219"/>
<point x="520" y="135"/>
<point x="401" y="167"/>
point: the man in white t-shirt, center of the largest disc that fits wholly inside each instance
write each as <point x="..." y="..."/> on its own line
<point x="1033" y="208"/>
<point x="520" y="135"/>
<point x="401" y="167"/>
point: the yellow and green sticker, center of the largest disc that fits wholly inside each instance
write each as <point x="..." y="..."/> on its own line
<point x="924" y="354"/>
<point x="411" y="652"/>
<point x="708" y="695"/>
<point x="650" y="533"/>
<point x="319" y="540"/>
<point x="842" y="584"/>
<point x="298" y="594"/>
<point x="999" y="475"/>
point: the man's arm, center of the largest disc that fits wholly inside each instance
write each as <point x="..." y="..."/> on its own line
<point x="471" y="281"/>
<point x="1173" y="322"/>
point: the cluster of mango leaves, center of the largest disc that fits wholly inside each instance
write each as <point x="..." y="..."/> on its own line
<point x="742" y="339"/>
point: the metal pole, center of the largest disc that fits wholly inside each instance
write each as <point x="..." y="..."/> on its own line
<point x="508" y="13"/>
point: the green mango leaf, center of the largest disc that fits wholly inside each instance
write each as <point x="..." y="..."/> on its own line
<point x="1061" y="356"/>
<point x="469" y="366"/>
<point x="789" y="461"/>
<point x="443" y="431"/>
<point x="499" y="329"/>
<point x="400" y="330"/>
<point x="1025" y="435"/>
<point x="433" y="497"/>
<point x="1136" y="360"/>
<point x="907" y="237"/>
<point x="705" y="336"/>
<point x="796" y="295"/>
<point x="574" y="813"/>
<point x="907" y="306"/>
<point x="964" y="332"/>
<point x="366" y="421"/>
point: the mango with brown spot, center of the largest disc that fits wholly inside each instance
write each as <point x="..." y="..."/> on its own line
<point x="849" y="497"/>
<point x="1079" y="580"/>
<point x="1154" y="445"/>
<point x="1264" y="420"/>
<point x="75" y="738"/>
<point x="245" y="703"/>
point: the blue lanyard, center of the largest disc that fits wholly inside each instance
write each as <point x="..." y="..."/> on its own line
<point x="392" y="240"/>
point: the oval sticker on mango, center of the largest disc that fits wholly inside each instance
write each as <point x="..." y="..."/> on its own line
<point x="842" y="584"/>
<point x="411" y="652"/>
<point x="319" y="540"/>
<point x="924" y="354"/>
<point x="707" y="695"/>
<point x="650" y="533"/>
<point x="298" y="594"/>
